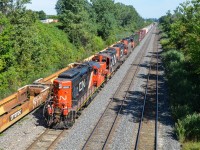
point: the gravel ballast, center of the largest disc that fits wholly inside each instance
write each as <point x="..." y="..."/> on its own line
<point x="22" y="134"/>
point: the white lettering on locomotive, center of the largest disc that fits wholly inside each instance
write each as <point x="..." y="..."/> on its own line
<point x="63" y="98"/>
<point x="81" y="85"/>
<point x="16" y="114"/>
<point x="60" y="97"/>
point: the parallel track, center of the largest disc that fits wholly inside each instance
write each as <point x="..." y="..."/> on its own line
<point x="148" y="128"/>
<point x="101" y="135"/>
<point x="46" y="140"/>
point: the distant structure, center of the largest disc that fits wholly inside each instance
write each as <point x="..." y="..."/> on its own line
<point x="49" y="20"/>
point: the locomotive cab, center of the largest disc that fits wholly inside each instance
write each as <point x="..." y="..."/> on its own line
<point x="109" y="56"/>
<point x="105" y="61"/>
<point x="120" y="48"/>
<point x="112" y="53"/>
<point x="98" y="76"/>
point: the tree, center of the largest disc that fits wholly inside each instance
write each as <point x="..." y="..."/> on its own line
<point x="9" y="6"/>
<point x="42" y="15"/>
<point x="74" y="18"/>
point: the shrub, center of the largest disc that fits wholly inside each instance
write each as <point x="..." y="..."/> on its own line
<point x="164" y="42"/>
<point x="188" y="128"/>
<point x="180" y="111"/>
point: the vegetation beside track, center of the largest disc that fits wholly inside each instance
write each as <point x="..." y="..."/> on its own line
<point x="180" y="40"/>
<point x="30" y="50"/>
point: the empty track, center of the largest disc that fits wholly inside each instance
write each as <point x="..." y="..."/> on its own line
<point x="147" y="131"/>
<point x="46" y="140"/>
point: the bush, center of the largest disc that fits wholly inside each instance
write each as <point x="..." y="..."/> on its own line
<point x="180" y="111"/>
<point x="98" y="44"/>
<point x="110" y="40"/>
<point x="180" y="131"/>
<point x="188" y="128"/>
<point x="173" y="56"/>
<point x="164" y="42"/>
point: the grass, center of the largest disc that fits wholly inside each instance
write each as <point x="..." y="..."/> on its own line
<point x="191" y="146"/>
<point x="22" y="120"/>
<point x="0" y="136"/>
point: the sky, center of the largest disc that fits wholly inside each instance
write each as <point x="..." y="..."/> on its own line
<point x="146" y="8"/>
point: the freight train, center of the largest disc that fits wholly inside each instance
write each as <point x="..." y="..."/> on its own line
<point x="75" y="87"/>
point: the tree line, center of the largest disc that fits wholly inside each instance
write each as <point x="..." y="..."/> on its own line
<point x="180" y="39"/>
<point x="30" y="50"/>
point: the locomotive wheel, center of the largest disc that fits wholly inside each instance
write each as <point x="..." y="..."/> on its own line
<point x="78" y="114"/>
<point x="70" y="120"/>
<point x="88" y="102"/>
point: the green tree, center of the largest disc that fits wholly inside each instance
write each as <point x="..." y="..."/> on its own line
<point x="42" y="15"/>
<point x="9" y="6"/>
<point x="74" y="18"/>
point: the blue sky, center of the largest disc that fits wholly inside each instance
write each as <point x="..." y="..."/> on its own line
<point x="146" y="8"/>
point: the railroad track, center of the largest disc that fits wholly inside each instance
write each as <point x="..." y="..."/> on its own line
<point x="147" y="131"/>
<point x="101" y="136"/>
<point x="47" y="140"/>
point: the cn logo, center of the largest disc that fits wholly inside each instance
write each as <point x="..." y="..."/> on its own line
<point x="81" y="85"/>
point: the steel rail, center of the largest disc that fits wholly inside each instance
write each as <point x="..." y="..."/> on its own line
<point x="156" y="126"/>
<point x="143" y="108"/>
